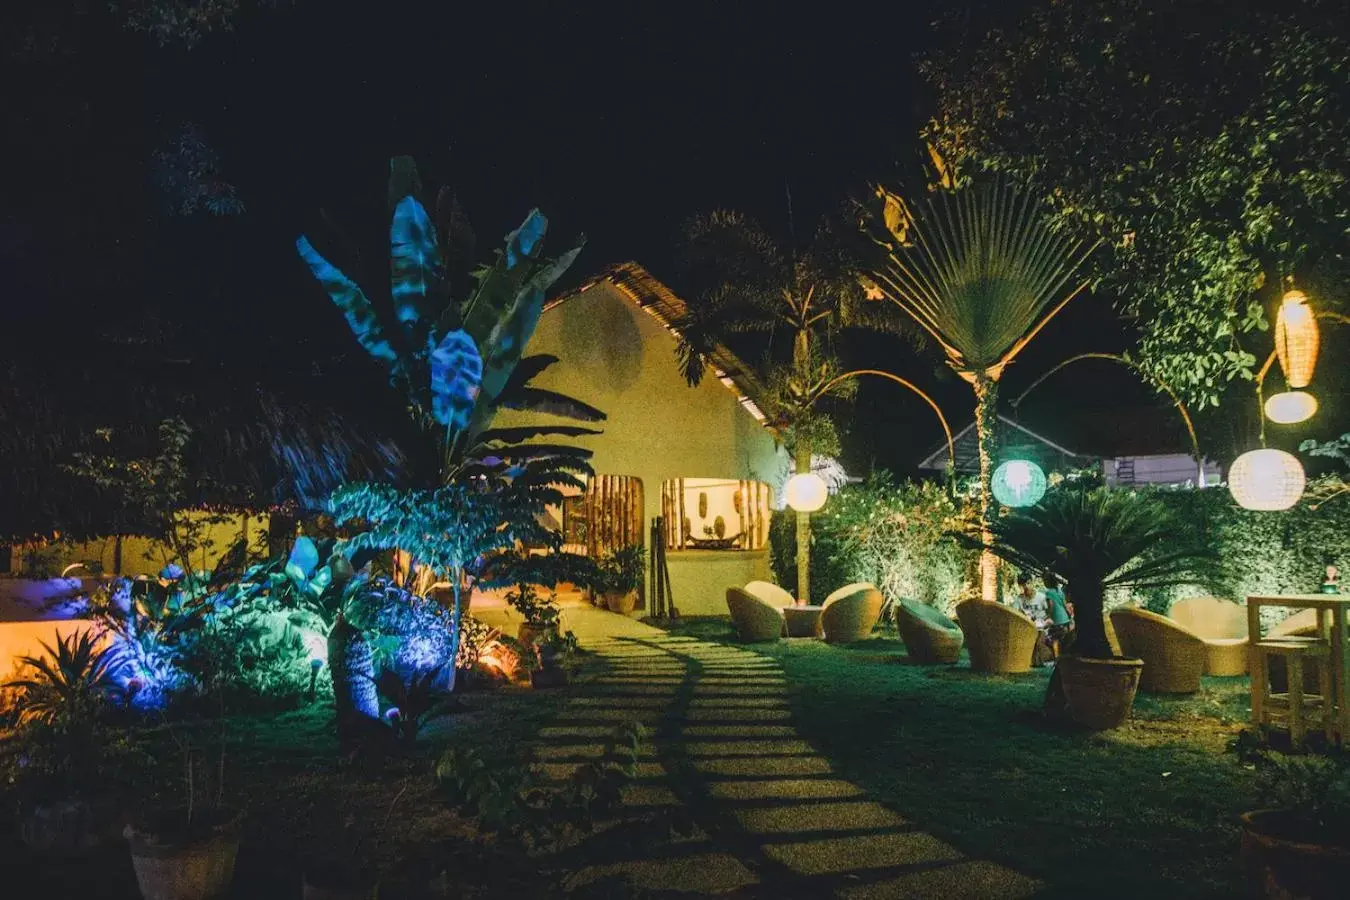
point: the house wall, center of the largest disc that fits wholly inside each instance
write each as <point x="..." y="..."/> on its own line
<point x="621" y="359"/>
<point x="143" y="556"/>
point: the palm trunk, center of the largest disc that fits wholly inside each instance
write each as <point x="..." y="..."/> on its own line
<point x="986" y="393"/>
<point x="457" y="616"/>
<point x="803" y="461"/>
<point x="1090" y="622"/>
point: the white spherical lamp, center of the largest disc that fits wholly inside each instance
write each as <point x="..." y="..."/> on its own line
<point x="806" y="492"/>
<point x="1266" y="480"/>
<point x="1019" y="482"/>
<point x="1291" y="407"/>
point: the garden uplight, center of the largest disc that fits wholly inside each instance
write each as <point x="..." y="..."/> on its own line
<point x="1266" y="480"/>
<point x="806" y="492"/>
<point x="1019" y="482"/>
<point x="1291" y="407"/>
<point x="1296" y="339"/>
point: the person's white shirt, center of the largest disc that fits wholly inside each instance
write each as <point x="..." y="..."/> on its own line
<point x="1037" y="607"/>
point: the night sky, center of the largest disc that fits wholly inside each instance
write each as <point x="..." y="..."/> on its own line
<point x="618" y="120"/>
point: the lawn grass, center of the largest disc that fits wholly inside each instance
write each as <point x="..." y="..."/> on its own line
<point x="1150" y="809"/>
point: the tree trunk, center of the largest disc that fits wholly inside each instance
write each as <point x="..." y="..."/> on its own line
<point x="352" y="667"/>
<point x="1089" y="622"/>
<point x="986" y="412"/>
<point x="457" y="616"/>
<point x="803" y="465"/>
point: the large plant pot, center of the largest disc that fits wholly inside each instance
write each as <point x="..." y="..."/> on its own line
<point x="549" y="677"/>
<point x="1285" y="860"/>
<point x="1098" y="693"/>
<point x="172" y="864"/>
<point x="621" y="602"/>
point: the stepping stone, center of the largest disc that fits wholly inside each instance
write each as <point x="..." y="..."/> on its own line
<point x="818" y="817"/>
<point x="722" y="714"/>
<point x="830" y="856"/>
<point x="647" y="795"/>
<point x="575" y="731"/>
<point x="620" y="702"/>
<point x="765" y="765"/>
<point x="619" y="689"/>
<point x="783" y="789"/>
<point x="738" y="702"/>
<point x="704" y="873"/>
<point x="739" y="731"/>
<point x="563" y="771"/>
<point x="582" y="716"/>
<point x="582" y="752"/>
<point x="749" y="748"/>
<point x="972" y="880"/>
<point x="703" y="688"/>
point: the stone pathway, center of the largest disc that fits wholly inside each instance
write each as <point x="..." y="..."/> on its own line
<point x="771" y="816"/>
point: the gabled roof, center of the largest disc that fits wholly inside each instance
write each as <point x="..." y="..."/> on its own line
<point x="964" y="440"/>
<point x="650" y="295"/>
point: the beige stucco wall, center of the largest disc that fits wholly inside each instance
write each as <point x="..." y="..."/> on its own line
<point x="142" y="556"/>
<point x="621" y="360"/>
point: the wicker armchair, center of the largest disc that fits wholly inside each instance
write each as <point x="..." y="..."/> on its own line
<point x="930" y="637"/>
<point x="999" y="638"/>
<point x="1174" y="658"/>
<point x="1222" y="625"/>
<point x="770" y="593"/>
<point x="850" y="613"/>
<point x="754" y="619"/>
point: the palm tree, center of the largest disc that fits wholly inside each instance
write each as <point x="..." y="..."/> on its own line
<point x="1095" y="540"/>
<point x="742" y="281"/>
<point x="981" y="270"/>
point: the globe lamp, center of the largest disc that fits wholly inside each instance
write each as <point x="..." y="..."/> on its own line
<point x="1291" y="407"/>
<point x="1266" y="480"/>
<point x="806" y="492"/>
<point x="1019" y="482"/>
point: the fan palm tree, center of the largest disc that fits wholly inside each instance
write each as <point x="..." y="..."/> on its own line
<point x="981" y="270"/>
<point x="1095" y="540"/>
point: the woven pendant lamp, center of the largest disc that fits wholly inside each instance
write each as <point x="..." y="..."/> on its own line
<point x="1296" y="339"/>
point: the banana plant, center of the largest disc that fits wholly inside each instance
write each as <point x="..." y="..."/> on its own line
<point x="457" y="361"/>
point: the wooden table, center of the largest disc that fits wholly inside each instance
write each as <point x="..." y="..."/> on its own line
<point x="1331" y="607"/>
<point x="803" y="621"/>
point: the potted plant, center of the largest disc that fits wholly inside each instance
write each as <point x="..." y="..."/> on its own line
<point x="619" y="578"/>
<point x="1300" y="845"/>
<point x="541" y="614"/>
<point x="1094" y="540"/>
<point x="554" y="657"/>
<point x="188" y="851"/>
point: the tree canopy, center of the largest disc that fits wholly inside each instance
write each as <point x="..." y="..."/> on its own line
<point x="1208" y="143"/>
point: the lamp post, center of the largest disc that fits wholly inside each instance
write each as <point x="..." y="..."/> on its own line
<point x="805" y="493"/>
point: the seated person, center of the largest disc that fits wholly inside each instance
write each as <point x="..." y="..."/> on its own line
<point x="1061" y="619"/>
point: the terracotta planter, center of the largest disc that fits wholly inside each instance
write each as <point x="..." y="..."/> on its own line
<point x="1284" y="862"/>
<point x="621" y="602"/>
<point x="551" y="677"/>
<point x="199" y="866"/>
<point x="1099" y="693"/>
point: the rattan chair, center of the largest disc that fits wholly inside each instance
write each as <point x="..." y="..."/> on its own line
<point x="754" y="619"/>
<point x="1222" y="625"/>
<point x="930" y="637"/>
<point x="850" y="613"/>
<point x="999" y="638"/>
<point x="1174" y="658"/>
<point x="770" y="593"/>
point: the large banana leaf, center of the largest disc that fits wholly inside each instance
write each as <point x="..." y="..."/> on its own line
<point x="529" y="432"/>
<point x="981" y="269"/>
<point x="500" y="284"/>
<point x="355" y="306"/>
<point x="456" y="378"/>
<point x="533" y="399"/>
<point x="414" y="267"/>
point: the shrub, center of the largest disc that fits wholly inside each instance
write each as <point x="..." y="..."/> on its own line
<point x="891" y="534"/>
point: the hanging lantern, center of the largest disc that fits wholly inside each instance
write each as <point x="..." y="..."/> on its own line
<point x="1266" y="480"/>
<point x="1291" y="407"/>
<point x="1019" y="482"/>
<point x="806" y="492"/>
<point x="1296" y="339"/>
